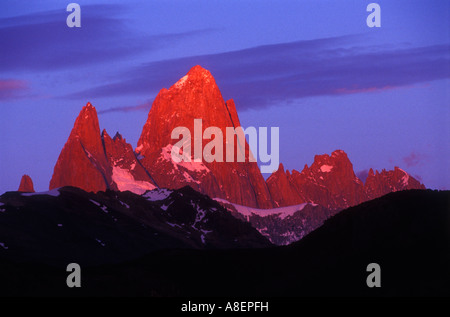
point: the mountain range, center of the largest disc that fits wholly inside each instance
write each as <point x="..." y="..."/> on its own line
<point x="141" y="223"/>
<point x="94" y="161"/>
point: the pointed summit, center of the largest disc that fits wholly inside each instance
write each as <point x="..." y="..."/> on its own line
<point x="198" y="70"/>
<point x="87" y="128"/>
<point x="118" y="136"/>
<point x="380" y="184"/>
<point x="82" y="162"/>
<point x="127" y="172"/>
<point x="26" y="184"/>
<point x="337" y="153"/>
<point x="197" y="96"/>
<point x="87" y="112"/>
<point x="281" y="190"/>
<point x="197" y="78"/>
<point x="89" y="107"/>
<point x="199" y="73"/>
<point x="330" y="181"/>
<point x="96" y="162"/>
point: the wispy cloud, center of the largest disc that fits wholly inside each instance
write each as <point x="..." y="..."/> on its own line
<point x="362" y="175"/>
<point x="12" y="88"/>
<point x="266" y="75"/>
<point x="413" y="159"/>
<point x="142" y="107"/>
<point x="42" y="42"/>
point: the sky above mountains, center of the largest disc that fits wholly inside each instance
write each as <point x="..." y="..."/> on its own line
<point x="312" y="68"/>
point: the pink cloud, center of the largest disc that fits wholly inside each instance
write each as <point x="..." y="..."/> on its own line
<point x="413" y="159"/>
<point x="11" y="88"/>
<point x="355" y="89"/>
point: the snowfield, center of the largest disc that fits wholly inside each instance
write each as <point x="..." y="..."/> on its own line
<point x="282" y="212"/>
<point x="157" y="194"/>
<point x="125" y="181"/>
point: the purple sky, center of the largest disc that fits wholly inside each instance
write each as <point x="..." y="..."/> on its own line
<point x="312" y="68"/>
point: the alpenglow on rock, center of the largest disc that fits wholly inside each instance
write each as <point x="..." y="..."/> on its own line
<point x="196" y="96"/>
<point x="331" y="182"/>
<point x="95" y="162"/>
<point x="26" y="184"/>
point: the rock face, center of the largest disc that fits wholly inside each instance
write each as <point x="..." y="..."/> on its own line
<point x="281" y="190"/>
<point x="82" y="162"/>
<point x="95" y="162"/>
<point x="127" y="171"/>
<point x="379" y="184"/>
<point x="196" y="96"/>
<point x="331" y="182"/>
<point x="26" y="184"/>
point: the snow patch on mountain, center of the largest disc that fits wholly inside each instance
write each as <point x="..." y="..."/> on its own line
<point x="139" y="148"/>
<point x="326" y="168"/>
<point x="125" y="181"/>
<point x="157" y="194"/>
<point x="281" y="212"/>
<point x="104" y="208"/>
<point x="95" y="202"/>
<point x="405" y="178"/>
<point x="90" y="156"/>
<point x="100" y="241"/>
<point x="173" y="225"/>
<point x="186" y="163"/>
<point x="203" y="235"/>
<point x="164" y="207"/>
<point x="180" y="83"/>
<point x="201" y="213"/>
<point x="123" y="204"/>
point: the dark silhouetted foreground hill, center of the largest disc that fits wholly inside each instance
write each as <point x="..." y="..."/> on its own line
<point x="407" y="233"/>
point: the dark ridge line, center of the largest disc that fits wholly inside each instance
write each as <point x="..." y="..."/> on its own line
<point x="240" y="148"/>
<point x="96" y="166"/>
<point x="147" y="172"/>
